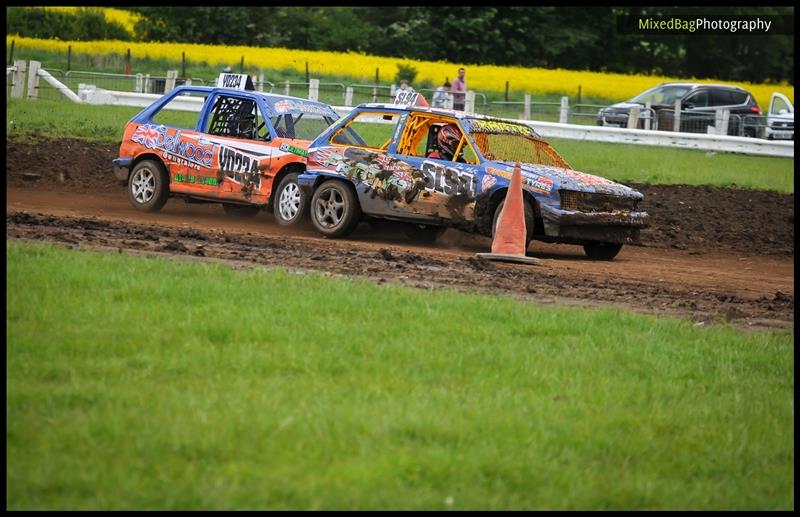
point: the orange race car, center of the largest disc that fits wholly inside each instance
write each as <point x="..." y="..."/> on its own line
<point x="221" y="145"/>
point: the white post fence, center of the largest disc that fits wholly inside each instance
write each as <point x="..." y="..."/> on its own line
<point x="169" y="85"/>
<point x="469" y="102"/>
<point x="33" y="79"/>
<point x="18" y="77"/>
<point x="348" y="96"/>
<point x="139" y="83"/>
<point x="527" y="110"/>
<point x="722" y="126"/>
<point x="563" y="115"/>
<point x="633" y="117"/>
<point x="676" y="119"/>
<point x="313" y="89"/>
<point x="648" y="115"/>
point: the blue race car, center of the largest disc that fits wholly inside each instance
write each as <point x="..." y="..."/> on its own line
<point x="436" y="168"/>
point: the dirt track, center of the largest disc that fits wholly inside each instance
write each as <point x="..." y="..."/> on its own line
<point x="688" y="264"/>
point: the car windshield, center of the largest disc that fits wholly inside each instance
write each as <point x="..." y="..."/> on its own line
<point x="516" y="146"/>
<point x="303" y="126"/>
<point x="661" y="95"/>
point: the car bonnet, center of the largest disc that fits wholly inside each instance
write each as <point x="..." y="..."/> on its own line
<point x="567" y="179"/>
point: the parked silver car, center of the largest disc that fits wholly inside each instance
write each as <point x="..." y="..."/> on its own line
<point x="780" y="118"/>
<point x="699" y="105"/>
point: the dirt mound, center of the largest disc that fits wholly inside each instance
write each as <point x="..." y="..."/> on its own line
<point x="700" y="218"/>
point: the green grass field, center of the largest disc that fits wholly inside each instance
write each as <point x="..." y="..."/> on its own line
<point x="141" y="382"/>
<point x="635" y="163"/>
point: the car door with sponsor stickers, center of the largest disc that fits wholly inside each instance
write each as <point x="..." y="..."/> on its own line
<point x="240" y="133"/>
<point x="439" y="149"/>
<point x="407" y="184"/>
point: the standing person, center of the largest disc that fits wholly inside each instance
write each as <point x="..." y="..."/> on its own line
<point x="442" y="95"/>
<point x="404" y="87"/>
<point x="459" y="90"/>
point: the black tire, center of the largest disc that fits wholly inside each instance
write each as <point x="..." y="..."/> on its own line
<point x="289" y="202"/>
<point x="423" y="233"/>
<point x="148" y="186"/>
<point x="335" y="211"/>
<point x="241" y="210"/>
<point x="530" y="220"/>
<point x="601" y="250"/>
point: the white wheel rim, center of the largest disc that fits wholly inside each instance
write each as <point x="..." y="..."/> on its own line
<point x="143" y="185"/>
<point x="289" y="202"/>
<point x="329" y="208"/>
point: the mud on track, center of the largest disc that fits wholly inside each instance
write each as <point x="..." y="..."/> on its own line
<point x="701" y="279"/>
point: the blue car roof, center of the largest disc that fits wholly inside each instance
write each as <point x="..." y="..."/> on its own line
<point x="276" y="104"/>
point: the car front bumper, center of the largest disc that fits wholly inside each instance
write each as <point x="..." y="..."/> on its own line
<point x="122" y="167"/>
<point x="779" y="133"/>
<point x="615" y="227"/>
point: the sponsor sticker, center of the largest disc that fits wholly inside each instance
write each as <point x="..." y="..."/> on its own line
<point x="530" y="181"/>
<point x="284" y="105"/>
<point x="173" y="147"/>
<point x="239" y="166"/>
<point x="294" y="150"/>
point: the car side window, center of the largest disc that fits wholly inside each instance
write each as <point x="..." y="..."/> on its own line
<point x="237" y="117"/>
<point x="698" y="99"/>
<point x="722" y="98"/>
<point x="739" y="97"/>
<point x="182" y="111"/>
<point x="373" y="130"/>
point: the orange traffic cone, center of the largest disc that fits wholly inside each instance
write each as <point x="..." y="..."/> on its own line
<point x="509" y="237"/>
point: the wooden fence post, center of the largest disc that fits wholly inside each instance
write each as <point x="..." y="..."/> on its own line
<point x="33" y="79"/>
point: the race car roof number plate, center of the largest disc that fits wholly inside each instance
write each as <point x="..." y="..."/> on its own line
<point x="237" y="81"/>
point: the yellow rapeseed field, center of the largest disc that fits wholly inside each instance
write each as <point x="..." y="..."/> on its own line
<point x="362" y="67"/>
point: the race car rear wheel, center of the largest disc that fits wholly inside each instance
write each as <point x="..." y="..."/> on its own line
<point x="148" y="186"/>
<point x="241" y="210"/>
<point x="601" y="250"/>
<point x="529" y="221"/>
<point x="290" y="202"/>
<point x="335" y="211"/>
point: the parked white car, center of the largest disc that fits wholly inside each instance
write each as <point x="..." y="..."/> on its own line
<point x="780" y="118"/>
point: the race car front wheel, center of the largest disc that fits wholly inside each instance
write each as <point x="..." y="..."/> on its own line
<point x="290" y="203"/>
<point x="601" y="250"/>
<point x="335" y="211"/>
<point x="148" y="186"/>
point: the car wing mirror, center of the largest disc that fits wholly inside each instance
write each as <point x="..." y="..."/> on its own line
<point x="688" y="105"/>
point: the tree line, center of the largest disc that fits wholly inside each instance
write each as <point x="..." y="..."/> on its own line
<point x="576" y="38"/>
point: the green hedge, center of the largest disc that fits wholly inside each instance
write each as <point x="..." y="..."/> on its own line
<point x="85" y="25"/>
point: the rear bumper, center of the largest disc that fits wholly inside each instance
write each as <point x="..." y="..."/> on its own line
<point x="122" y="167"/>
<point x="615" y="227"/>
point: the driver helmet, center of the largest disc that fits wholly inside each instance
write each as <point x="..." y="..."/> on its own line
<point x="448" y="138"/>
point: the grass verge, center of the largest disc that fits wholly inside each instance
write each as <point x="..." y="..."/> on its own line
<point x="142" y="382"/>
